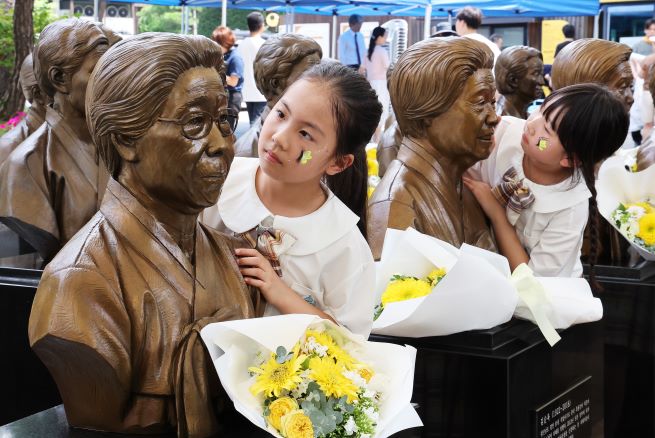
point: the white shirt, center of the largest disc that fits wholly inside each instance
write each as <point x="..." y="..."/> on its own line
<point x="376" y="67"/>
<point x="330" y="263"/>
<point x="348" y="50"/>
<point x="551" y="229"/>
<point x="479" y="37"/>
<point x="248" y="49"/>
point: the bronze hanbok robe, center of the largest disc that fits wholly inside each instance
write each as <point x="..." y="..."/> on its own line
<point x="414" y="193"/>
<point x="116" y="320"/>
<point x="51" y="185"/>
<point x="19" y="133"/>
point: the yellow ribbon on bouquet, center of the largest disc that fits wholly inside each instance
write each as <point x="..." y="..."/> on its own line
<point x="534" y="295"/>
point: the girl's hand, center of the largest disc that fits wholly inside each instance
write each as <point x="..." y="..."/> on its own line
<point x="258" y="272"/>
<point x="486" y="199"/>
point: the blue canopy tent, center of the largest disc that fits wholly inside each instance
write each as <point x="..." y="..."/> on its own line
<point x="394" y="8"/>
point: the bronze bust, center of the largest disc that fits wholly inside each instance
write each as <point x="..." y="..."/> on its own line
<point x="442" y="92"/>
<point x="34" y="117"/>
<point x="646" y="153"/>
<point x="52" y="184"/>
<point x="279" y="62"/>
<point x="596" y="61"/>
<point x="606" y="63"/>
<point x="519" y="75"/>
<point x="117" y="314"/>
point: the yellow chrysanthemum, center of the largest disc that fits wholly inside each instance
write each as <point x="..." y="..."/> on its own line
<point x="333" y="350"/>
<point x="405" y="289"/>
<point x="372" y="154"/>
<point x="296" y="424"/>
<point x="278" y="409"/>
<point x="373" y="167"/>
<point x="369" y="191"/>
<point x="647" y="229"/>
<point x="366" y="374"/>
<point x="328" y="374"/>
<point x="646" y="206"/>
<point x="275" y="377"/>
<point x="435" y="275"/>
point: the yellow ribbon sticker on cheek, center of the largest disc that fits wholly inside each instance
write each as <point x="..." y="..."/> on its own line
<point x="542" y="144"/>
<point x="306" y="156"/>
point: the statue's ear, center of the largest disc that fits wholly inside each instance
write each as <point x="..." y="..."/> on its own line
<point x="59" y="79"/>
<point x="125" y="148"/>
<point x="513" y="81"/>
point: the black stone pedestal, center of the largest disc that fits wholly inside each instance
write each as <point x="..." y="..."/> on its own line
<point x="492" y="383"/>
<point x="628" y="298"/>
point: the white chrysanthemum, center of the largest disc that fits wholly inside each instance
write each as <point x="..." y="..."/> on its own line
<point x="350" y="427"/>
<point x="636" y="212"/>
<point x="371" y="413"/>
<point x="313" y="346"/>
<point x="356" y="378"/>
<point x="369" y="393"/>
<point x="301" y="388"/>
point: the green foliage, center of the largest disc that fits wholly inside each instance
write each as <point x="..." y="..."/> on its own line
<point x="6" y="38"/>
<point x="43" y="15"/>
<point x="210" y="18"/>
<point x="160" y="19"/>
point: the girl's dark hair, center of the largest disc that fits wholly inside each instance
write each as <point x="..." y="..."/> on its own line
<point x="377" y="32"/>
<point x="356" y="111"/>
<point x="592" y="123"/>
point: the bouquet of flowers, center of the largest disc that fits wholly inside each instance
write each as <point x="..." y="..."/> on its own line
<point x="626" y="201"/>
<point x="299" y="376"/>
<point x="12" y="122"/>
<point x="636" y="221"/>
<point x="449" y="299"/>
<point x="403" y="287"/>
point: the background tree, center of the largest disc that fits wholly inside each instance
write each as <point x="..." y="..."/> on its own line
<point x="210" y="18"/>
<point x="20" y="21"/>
<point x="160" y="19"/>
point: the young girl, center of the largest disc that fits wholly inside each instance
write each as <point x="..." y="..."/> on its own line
<point x="302" y="203"/>
<point x="377" y="63"/>
<point x="542" y="172"/>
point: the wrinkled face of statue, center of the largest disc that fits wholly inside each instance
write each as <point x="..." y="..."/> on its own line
<point x="187" y="175"/>
<point x="530" y="84"/>
<point x="622" y="83"/>
<point x="80" y="78"/>
<point x="466" y="130"/>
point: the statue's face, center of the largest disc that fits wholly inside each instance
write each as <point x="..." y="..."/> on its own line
<point x="621" y="83"/>
<point x="79" y="79"/>
<point x="466" y="130"/>
<point x="186" y="175"/>
<point x="530" y="84"/>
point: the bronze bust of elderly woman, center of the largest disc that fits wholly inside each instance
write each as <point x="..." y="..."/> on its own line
<point x="53" y="183"/>
<point x="592" y="60"/>
<point x="117" y="314"/>
<point x="442" y="91"/>
<point x="519" y="75"/>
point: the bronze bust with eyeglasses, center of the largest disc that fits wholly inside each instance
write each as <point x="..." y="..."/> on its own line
<point x="117" y="315"/>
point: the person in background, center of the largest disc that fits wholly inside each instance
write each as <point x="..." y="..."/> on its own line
<point x="352" y="50"/>
<point x="247" y="49"/>
<point x="497" y="39"/>
<point x="377" y="63"/>
<point x="647" y="43"/>
<point x="468" y="21"/>
<point x="225" y="38"/>
<point x="569" y="35"/>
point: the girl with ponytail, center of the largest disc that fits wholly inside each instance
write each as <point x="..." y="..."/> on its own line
<point x="301" y="206"/>
<point x="543" y="176"/>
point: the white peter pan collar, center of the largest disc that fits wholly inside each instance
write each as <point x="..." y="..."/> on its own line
<point x="548" y="199"/>
<point x="241" y="210"/>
